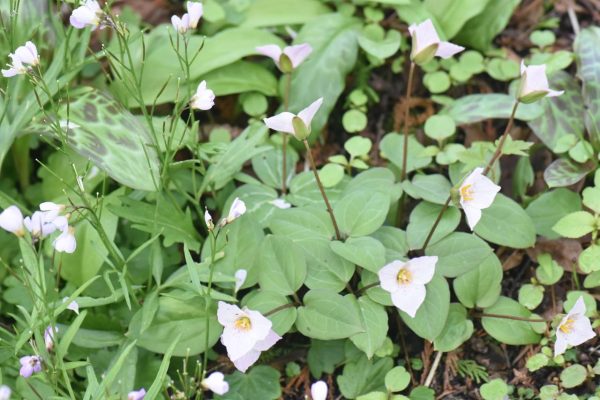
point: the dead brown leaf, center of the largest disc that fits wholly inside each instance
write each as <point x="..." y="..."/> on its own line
<point x="564" y="251"/>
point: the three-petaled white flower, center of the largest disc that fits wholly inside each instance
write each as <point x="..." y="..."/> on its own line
<point x="11" y="220"/>
<point x="318" y="390"/>
<point x="534" y="84"/>
<point x="574" y="329"/>
<point x="406" y="281"/>
<point x="89" y="14"/>
<point x="216" y="383"/>
<point x="136" y="394"/>
<point x="22" y="59"/>
<point x="287" y="59"/>
<point x="477" y="192"/>
<point x="204" y="99"/>
<point x="246" y="334"/>
<point x="190" y="19"/>
<point x="240" y="277"/>
<point x="426" y="44"/>
<point x="297" y="125"/>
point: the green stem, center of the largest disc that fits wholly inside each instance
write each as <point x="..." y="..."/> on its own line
<point x="411" y="74"/>
<point x="213" y="250"/>
<point x="286" y="102"/>
<point x="329" y="209"/>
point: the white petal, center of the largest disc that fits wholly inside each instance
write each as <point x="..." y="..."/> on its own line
<point x="409" y="298"/>
<point x="243" y="363"/>
<point x="554" y="93"/>
<point x="208" y="220"/>
<point x="473" y="215"/>
<point x="422" y="269"/>
<point x="484" y="192"/>
<point x="280" y="203"/>
<point x="204" y="99"/>
<point x="240" y="278"/>
<point x="309" y="112"/>
<point x="298" y="53"/>
<point x="267" y="342"/>
<point x="238" y="342"/>
<point x="388" y="276"/>
<point x="227" y="314"/>
<point x="11" y="220"/>
<point x="65" y="242"/>
<point x="560" y="345"/>
<point x="27" y="53"/>
<point x="426" y="35"/>
<point x="582" y="331"/>
<point x="447" y="49"/>
<point x="9" y="73"/>
<point x="238" y="208"/>
<point x="261" y="325"/>
<point x="216" y="383"/>
<point x="578" y="308"/>
<point x="73" y="306"/>
<point x="5" y="392"/>
<point x="270" y="50"/>
<point x="281" y="122"/>
<point x="195" y="11"/>
<point x="318" y="390"/>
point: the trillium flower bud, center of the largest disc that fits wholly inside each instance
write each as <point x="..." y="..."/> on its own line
<point x="426" y="44"/>
<point x="318" y="390"/>
<point x="534" y="84"/>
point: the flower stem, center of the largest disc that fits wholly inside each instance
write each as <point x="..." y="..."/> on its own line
<point x="286" y="102"/>
<point x="411" y="74"/>
<point x="279" y="308"/>
<point x="512" y="317"/>
<point x="329" y="209"/>
<point x="497" y="154"/>
<point x="213" y="250"/>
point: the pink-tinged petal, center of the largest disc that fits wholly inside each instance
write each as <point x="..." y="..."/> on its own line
<point x="555" y="93"/>
<point x="447" y="49"/>
<point x="272" y="51"/>
<point x="422" y="269"/>
<point x="473" y="215"/>
<point x="523" y="67"/>
<point x="66" y="242"/>
<point x="309" y="112"/>
<point x="9" y="73"/>
<point x="298" y="53"/>
<point x="243" y="363"/>
<point x="238" y="342"/>
<point x="409" y="298"/>
<point x="388" y="276"/>
<point x="216" y="383"/>
<point x="267" y="342"/>
<point x="426" y="35"/>
<point x="281" y="122"/>
<point x="195" y="12"/>
<point x="560" y="345"/>
<point x="240" y="277"/>
<point x="237" y="209"/>
<point x="137" y="394"/>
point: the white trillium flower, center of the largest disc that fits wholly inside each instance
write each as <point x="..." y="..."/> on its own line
<point x="280" y="203"/>
<point x="237" y="209"/>
<point x="216" y="383"/>
<point x="426" y="43"/>
<point x="318" y="390"/>
<point x="23" y="58"/>
<point x="534" y="84"/>
<point x="66" y="242"/>
<point x="136" y="394"/>
<point x="89" y="14"/>
<point x="477" y="192"/>
<point x="11" y="220"/>
<point x="297" y="125"/>
<point x="406" y="281"/>
<point x="195" y="12"/>
<point x="246" y="334"/>
<point x="204" y="99"/>
<point x="574" y="329"/>
<point x="287" y="59"/>
<point x="240" y="278"/>
<point x="5" y="392"/>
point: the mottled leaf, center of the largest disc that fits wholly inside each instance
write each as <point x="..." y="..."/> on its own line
<point x="564" y="172"/>
<point x="479" y="107"/>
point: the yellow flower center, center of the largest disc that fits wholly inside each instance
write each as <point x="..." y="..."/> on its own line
<point x="466" y="192"/>
<point x="243" y="323"/>
<point x="404" y="276"/>
<point x="567" y="326"/>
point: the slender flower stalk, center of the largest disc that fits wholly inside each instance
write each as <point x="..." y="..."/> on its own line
<point x="286" y="103"/>
<point x="497" y="154"/>
<point x="411" y="74"/>
<point x="329" y="209"/>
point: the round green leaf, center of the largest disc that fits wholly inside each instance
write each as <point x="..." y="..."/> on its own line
<point x="510" y="331"/>
<point x="397" y="379"/>
<point x="260" y="382"/>
<point x="358" y="146"/>
<point x="573" y="376"/>
<point x="542" y="38"/>
<point x="375" y="321"/>
<point x="331" y="174"/>
<point x="437" y="82"/>
<point x="459" y="253"/>
<point x="496" y="389"/>
<point x="282" y="265"/>
<point x="481" y="286"/>
<point x="458" y="329"/>
<point x="364" y="251"/>
<point x="531" y="295"/>
<point x="421" y="221"/>
<point x="254" y="104"/>
<point x="575" y="225"/>
<point x="440" y="127"/>
<point x="360" y="213"/>
<point x="354" y="121"/>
